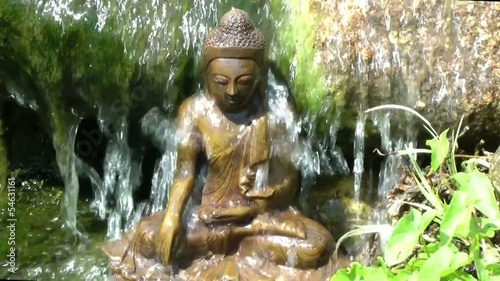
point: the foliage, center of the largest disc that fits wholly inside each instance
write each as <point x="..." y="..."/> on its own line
<point x="442" y="239"/>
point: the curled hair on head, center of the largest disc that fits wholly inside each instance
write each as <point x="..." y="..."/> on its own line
<point x="235" y="36"/>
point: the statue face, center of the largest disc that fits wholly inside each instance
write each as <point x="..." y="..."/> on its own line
<point x="232" y="82"/>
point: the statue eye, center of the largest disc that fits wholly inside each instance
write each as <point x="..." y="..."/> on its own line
<point x="245" y="81"/>
<point x="221" y="80"/>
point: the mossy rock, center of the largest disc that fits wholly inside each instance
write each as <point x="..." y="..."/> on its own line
<point x="43" y="247"/>
<point x="334" y="205"/>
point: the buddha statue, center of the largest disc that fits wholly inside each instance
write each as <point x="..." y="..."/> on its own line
<point x="246" y="214"/>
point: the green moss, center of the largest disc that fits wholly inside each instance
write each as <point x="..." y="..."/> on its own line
<point x="3" y="158"/>
<point x="295" y="56"/>
<point x="93" y="61"/>
<point x="40" y="239"/>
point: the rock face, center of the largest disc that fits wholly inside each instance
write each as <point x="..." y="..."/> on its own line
<point x="441" y="59"/>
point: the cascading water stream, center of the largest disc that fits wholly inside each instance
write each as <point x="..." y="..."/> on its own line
<point x="66" y="160"/>
<point x="359" y="155"/>
<point x="121" y="176"/>
<point x="163" y="131"/>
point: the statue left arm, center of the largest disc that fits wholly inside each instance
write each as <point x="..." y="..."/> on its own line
<point x="282" y="184"/>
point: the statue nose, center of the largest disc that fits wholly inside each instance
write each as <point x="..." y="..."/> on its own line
<point x="231" y="89"/>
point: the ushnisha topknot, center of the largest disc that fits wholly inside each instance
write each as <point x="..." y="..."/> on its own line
<point x="235" y="36"/>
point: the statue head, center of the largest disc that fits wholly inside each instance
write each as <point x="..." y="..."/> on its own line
<point x="233" y="61"/>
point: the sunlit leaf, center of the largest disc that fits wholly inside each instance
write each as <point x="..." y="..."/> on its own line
<point x="478" y="186"/>
<point x="427" y="218"/>
<point x="481" y="185"/>
<point x="494" y="269"/>
<point x="481" y="270"/>
<point x="485" y="227"/>
<point x="458" y="260"/>
<point x="446" y="260"/>
<point x="358" y="272"/>
<point x="440" y="147"/>
<point x="403" y="238"/>
<point x="459" y="275"/>
<point x="341" y="275"/>
<point x="456" y="220"/>
<point x="436" y="264"/>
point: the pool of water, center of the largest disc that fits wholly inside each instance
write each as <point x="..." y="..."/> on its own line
<point x="44" y="251"/>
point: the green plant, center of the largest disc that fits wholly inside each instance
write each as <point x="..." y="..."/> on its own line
<point x="460" y="245"/>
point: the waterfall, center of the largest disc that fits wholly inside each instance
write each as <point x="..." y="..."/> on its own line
<point x="162" y="131"/>
<point x="66" y="161"/>
<point x="359" y="155"/>
<point x="340" y="165"/>
<point x="122" y="175"/>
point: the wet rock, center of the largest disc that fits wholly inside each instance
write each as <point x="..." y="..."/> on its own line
<point x="439" y="58"/>
<point x="28" y="145"/>
<point x="334" y="207"/>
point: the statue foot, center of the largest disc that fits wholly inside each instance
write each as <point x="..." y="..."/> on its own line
<point x="264" y="224"/>
<point x="224" y="270"/>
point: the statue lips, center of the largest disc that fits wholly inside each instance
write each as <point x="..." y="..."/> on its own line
<point x="233" y="100"/>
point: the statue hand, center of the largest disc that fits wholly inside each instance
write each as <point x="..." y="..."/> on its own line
<point x="210" y="214"/>
<point x="247" y="180"/>
<point x="266" y="193"/>
<point x="167" y="240"/>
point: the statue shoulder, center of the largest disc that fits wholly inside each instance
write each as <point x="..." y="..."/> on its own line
<point x="192" y="107"/>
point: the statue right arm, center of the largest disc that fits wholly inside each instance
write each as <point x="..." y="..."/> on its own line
<point x="188" y="147"/>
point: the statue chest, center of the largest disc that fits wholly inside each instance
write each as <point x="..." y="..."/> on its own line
<point x="220" y="137"/>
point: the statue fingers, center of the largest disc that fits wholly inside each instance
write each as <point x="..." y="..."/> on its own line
<point x="244" y="186"/>
<point x="260" y="194"/>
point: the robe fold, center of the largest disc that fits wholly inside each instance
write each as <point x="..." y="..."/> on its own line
<point x="226" y="167"/>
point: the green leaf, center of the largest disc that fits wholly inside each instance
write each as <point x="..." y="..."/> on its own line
<point x="457" y="217"/>
<point x="459" y="275"/>
<point x="486" y="227"/>
<point x="458" y="260"/>
<point x="479" y="263"/>
<point x="341" y="275"/>
<point x="440" y="147"/>
<point x="437" y="263"/>
<point x="383" y="265"/>
<point x="478" y="186"/>
<point x="358" y="272"/>
<point x="444" y="261"/>
<point x="374" y="273"/>
<point x="494" y="269"/>
<point x="427" y="218"/>
<point x="432" y="247"/>
<point x="462" y="181"/>
<point x="403" y="238"/>
<point x="404" y="275"/>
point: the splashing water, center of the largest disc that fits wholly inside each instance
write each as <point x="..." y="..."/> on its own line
<point x="121" y="176"/>
<point x="359" y="156"/>
<point x="162" y="131"/>
<point x="66" y="160"/>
